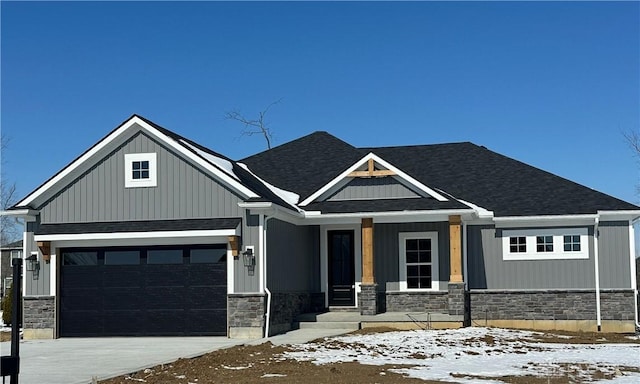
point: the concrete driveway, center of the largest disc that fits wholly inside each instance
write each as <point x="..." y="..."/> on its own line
<point x="76" y="361"/>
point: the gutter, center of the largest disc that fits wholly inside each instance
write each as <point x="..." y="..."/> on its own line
<point x="27" y="214"/>
<point x="597" y="272"/>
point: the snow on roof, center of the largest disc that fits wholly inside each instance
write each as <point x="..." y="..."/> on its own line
<point x="290" y="197"/>
<point x="219" y="162"/>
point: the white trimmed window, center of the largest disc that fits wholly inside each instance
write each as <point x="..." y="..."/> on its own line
<point x="140" y="170"/>
<point x="545" y="244"/>
<point x="418" y="261"/>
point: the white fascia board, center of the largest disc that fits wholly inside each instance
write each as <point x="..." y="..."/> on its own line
<point x="619" y="215"/>
<point x="117" y="133"/>
<point x="289" y="197"/>
<point x="255" y="204"/>
<point x="388" y="217"/>
<point x="523" y="221"/>
<point x="359" y="163"/>
<point x="26" y="214"/>
<point x="273" y="210"/>
<point x="136" y="235"/>
<point x="221" y="175"/>
<point x="86" y="156"/>
<point x="482" y="213"/>
<point x="411" y="180"/>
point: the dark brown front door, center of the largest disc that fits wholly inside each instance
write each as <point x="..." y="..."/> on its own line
<point x="341" y="269"/>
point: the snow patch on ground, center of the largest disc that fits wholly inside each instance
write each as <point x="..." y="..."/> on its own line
<point x="475" y="355"/>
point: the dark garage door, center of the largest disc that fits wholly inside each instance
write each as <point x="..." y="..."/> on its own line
<point x="143" y="291"/>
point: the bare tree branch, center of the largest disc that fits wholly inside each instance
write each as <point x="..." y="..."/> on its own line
<point x="633" y="140"/>
<point x="255" y="126"/>
<point x="9" y="226"/>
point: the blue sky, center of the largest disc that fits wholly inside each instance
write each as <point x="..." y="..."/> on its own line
<point x="551" y="84"/>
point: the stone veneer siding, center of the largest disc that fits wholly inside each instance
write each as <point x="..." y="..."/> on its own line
<point x="39" y="312"/>
<point x="457" y="299"/>
<point x="286" y="306"/>
<point x="551" y="305"/>
<point x="246" y="310"/>
<point x="417" y="301"/>
<point x="368" y="299"/>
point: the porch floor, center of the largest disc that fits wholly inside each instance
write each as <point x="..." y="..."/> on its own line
<point x="400" y="320"/>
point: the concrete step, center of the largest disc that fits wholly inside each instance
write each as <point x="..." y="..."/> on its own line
<point x="348" y="325"/>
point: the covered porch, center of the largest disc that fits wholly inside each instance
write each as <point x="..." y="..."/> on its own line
<point x="392" y="266"/>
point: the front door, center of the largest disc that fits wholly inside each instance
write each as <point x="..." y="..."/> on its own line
<point x="341" y="269"/>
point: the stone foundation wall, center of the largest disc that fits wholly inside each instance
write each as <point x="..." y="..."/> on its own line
<point x="39" y="319"/>
<point x="417" y="302"/>
<point x="39" y="312"/>
<point x="457" y="299"/>
<point x="368" y="299"/>
<point x="551" y="305"/>
<point x="286" y="306"/>
<point x="245" y="315"/>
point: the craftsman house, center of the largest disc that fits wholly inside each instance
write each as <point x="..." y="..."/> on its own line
<point x="150" y="233"/>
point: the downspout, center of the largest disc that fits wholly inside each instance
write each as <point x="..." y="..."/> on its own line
<point x="262" y="238"/>
<point x="597" y="272"/>
<point x="632" y="257"/>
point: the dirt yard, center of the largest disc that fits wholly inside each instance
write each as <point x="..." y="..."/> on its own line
<point x="266" y="364"/>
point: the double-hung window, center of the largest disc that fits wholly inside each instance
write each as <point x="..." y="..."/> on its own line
<point x="418" y="260"/>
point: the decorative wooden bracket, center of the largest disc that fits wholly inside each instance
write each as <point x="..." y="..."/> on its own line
<point x="371" y="171"/>
<point x="45" y="249"/>
<point x="234" y="245"/>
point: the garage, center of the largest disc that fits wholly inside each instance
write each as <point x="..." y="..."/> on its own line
<point x="143" y="291"/>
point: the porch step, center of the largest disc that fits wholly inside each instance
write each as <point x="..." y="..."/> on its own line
<point x="344" y="309"/>
<point x="346" y="325"/>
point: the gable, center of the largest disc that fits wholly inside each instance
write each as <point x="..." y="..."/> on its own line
<point x="373" y="188"/>
<point x="183" y="190"/>
<point x="372" y="166"/>
<point x="124" y="132"/>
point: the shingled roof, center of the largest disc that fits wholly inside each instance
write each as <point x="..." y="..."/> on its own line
<point x="464" y="170"/>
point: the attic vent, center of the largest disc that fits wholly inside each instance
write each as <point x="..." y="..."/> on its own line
<point x="371" y="171"/>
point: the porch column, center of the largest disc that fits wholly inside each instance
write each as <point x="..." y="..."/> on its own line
<point x="368" y="298"/>
<point x="455" y="249"/>
<point x="457" y="297"/>
<point x="367" y="251"/>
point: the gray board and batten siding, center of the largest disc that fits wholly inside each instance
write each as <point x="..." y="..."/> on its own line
<point x="293" y="257"/>
<point x="99" y="194"/>
<point x="386" y="250"/>
<point x="183" y="191"/>
<point x="615" y="266"/>
<point x="488" y="270"/>
<point x="373" y="188"/>
<point x="37" y="283"/>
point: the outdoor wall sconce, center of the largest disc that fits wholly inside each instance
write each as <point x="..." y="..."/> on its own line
<point x="249" y="258"/>
<point x="33" y="265"/>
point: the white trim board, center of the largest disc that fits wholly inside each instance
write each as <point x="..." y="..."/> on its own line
<point x="371" y="156"/>
<point x="137" y="235"/>
<point x="124" y="127"/>
<point x="402" y="263"/>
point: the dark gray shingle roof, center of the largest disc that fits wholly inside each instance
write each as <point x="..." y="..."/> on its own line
<point x="465" y="170"/>
<point x="138" y="226"/>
